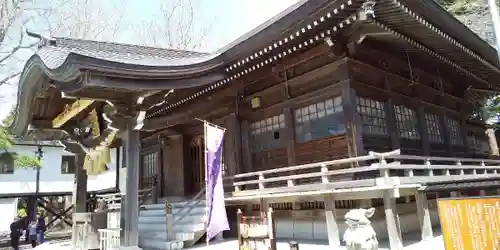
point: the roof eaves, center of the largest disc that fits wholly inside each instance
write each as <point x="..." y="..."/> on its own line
<point x="456" y="29"/>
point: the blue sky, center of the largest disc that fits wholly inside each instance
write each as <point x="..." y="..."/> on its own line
<point x="226" y="20"/>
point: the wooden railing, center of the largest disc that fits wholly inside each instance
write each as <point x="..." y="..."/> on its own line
<point x="113" y="200"/>
<point x="376" y="169"/>
<point x="193" y="202"/>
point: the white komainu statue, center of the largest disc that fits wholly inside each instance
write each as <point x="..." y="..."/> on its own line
<point x="360" y="234"/>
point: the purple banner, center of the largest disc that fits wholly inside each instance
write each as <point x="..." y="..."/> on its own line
<point x="217" y="218"/>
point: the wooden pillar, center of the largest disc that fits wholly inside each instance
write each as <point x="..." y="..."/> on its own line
<point x="290" y="136"/>
<point x="245" y="144"/>
<point x="354" y="126"/>
<point x="232" y="145"/>
<point x="424" y="132"/>
<point x="463" y="135"/>
<point x="238" y="149"/>
<point x="446" y="132"/>
<point x="392" y="220"/>
<point x="424" y="217"/>
<point x="79" y="196"/>
<point x="392" y="126"/>
<point x="130" y="212"/>
<point x="331" y="221"/>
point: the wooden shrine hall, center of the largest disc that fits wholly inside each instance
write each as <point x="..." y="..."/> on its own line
<point x="324" y="80"/>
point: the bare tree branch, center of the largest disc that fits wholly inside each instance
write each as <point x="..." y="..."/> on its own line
<point x="175" y="29"/>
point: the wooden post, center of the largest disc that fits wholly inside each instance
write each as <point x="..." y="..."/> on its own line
<point x="131" y="208"/>
<point x="392" y="126"/>
<point x="272" y="229"/>
<point x="79" y="196"/>
<point x="424" y="216"/>
<point x="424" y="132"/>
<point x="392" y="220"/>
<point x="238" y="225"/>
<point x="170" y="221"/>
<point x="331" y="222"/>
<point x="245" y="144"/>
<point x="354" y="125"/>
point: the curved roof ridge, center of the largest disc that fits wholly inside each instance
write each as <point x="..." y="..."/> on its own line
<point x="105" y="45"/>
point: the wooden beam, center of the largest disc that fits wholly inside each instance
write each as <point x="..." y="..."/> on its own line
<point x="152" y="84"/>
<point x="307" y="77"/>
<point x="70" y="111"/>
<point x="199" y="111"/>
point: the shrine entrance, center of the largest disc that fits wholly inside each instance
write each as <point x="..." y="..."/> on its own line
<point x="150" y="171"/>
<point x="195" y="166"/>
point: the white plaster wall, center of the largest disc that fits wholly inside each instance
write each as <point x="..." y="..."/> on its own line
<point x="8" y="212"/>
<point x="51" y="178"/>
<point x="316" y="230"/>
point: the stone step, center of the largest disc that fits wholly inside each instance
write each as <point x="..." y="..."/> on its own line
<point x="163" y="219"/>
<point x="178" y="228"/>
<point x="160" y="244"/>
<point x="164" y="236"/>
<point x="161" y="212"/>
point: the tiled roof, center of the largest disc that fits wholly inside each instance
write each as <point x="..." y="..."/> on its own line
<point x="57" y="50"/>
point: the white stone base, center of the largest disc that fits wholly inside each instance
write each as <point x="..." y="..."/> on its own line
<point x="131" y="248"/>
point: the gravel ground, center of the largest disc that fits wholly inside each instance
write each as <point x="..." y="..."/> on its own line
<point x="52" y="237"/>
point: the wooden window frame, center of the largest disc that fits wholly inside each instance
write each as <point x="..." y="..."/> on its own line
<point x="149" y="162"/>
<point x="434" y="129"/>
<point x="454" y="129"/>
<point x="407" y="122"/>
<point x="7" y="163"/>
<point x="307" y="116"/>
<point x="373" y="116"/>
<point x="258" y="129"/>
<point x="70" y="162"/>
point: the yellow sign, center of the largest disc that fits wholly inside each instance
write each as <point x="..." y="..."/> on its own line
<point x="70" y="111"/>
<point x="94" y="122"/>
<point x="470" y="223"/>
<point x="97" y="159"/>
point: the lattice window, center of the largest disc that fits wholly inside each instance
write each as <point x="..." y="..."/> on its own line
<point x="68" y="165"/>
<point x="319" y="120"/>
<point x="433" y="128"/>
<point x="268" y="133"/>
<point x="372" y="116"/>
<point x="454" y="129"/>
<point x="407" y="122"/>
<point x="149" y="164"/>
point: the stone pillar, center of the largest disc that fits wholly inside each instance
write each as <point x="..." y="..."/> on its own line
<point x="454" y="194"/>
<point x="79" y="196"/>
<point x="331" y="222"/>
<point x="392" y="220"/>
<point x="424" y="217"/>
<point x="130" y="212"/>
